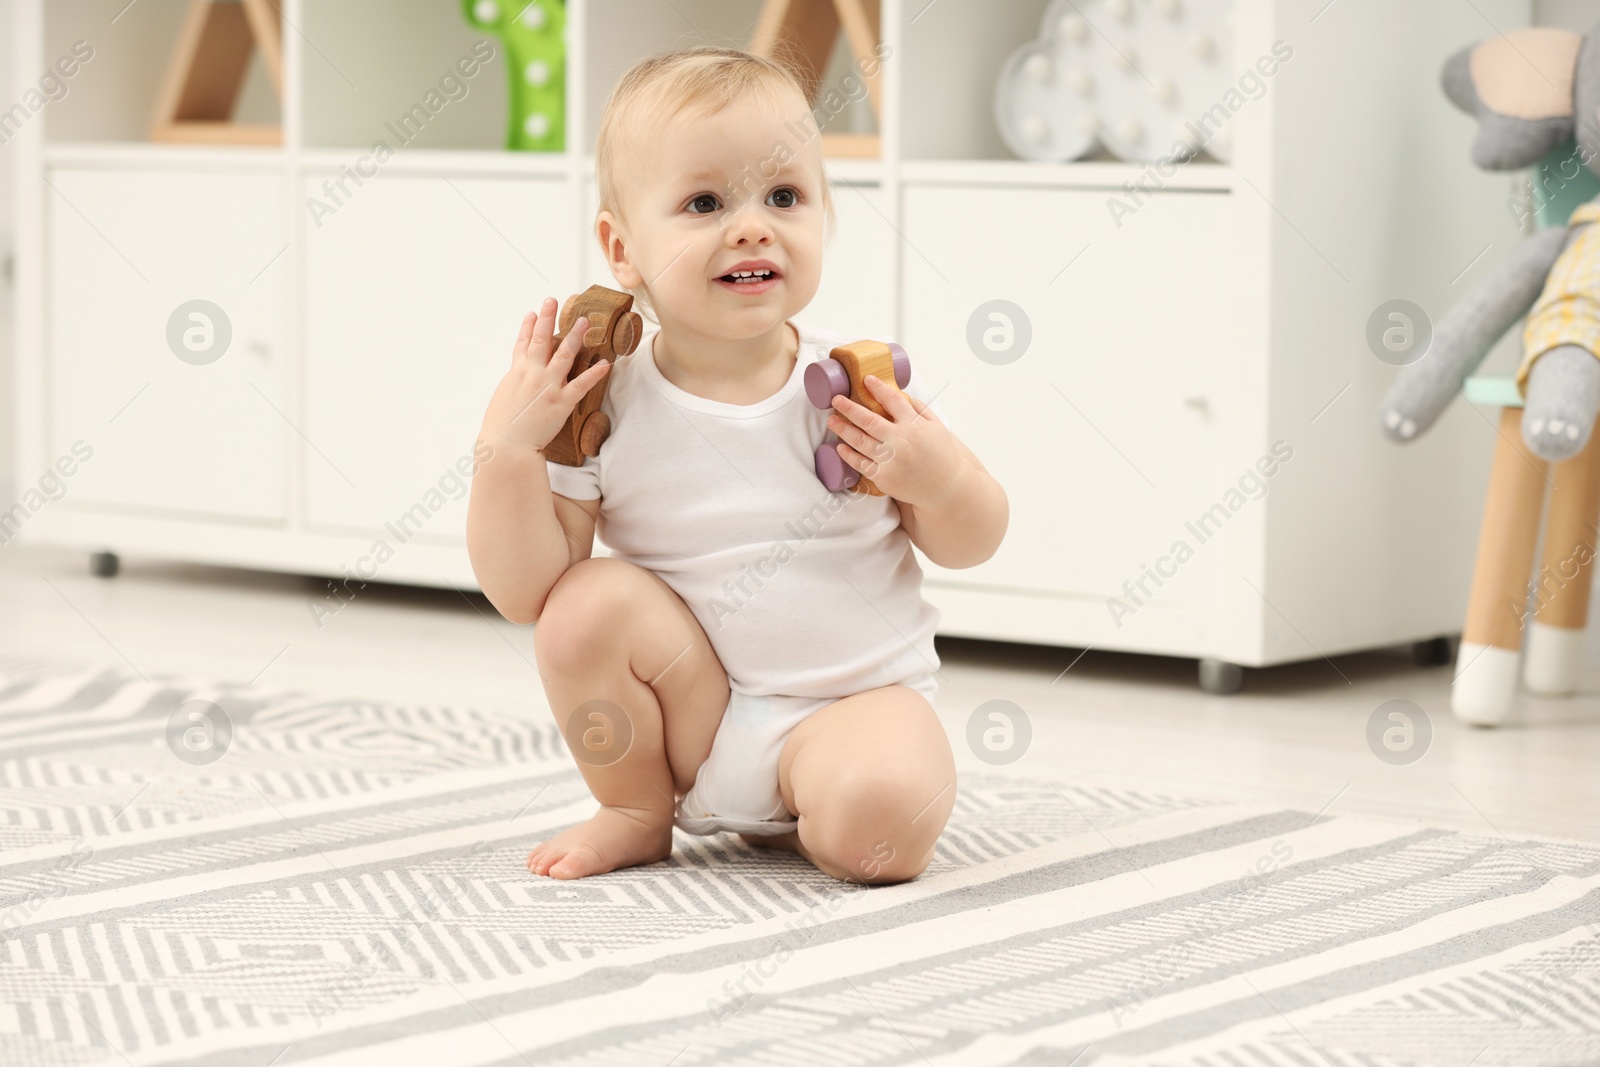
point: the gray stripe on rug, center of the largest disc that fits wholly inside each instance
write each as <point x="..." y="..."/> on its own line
<point x="1463" y="948"/>
<point x="239" y="837"/>
<point x="603" y="979"/>
<point x="794" y="999"/>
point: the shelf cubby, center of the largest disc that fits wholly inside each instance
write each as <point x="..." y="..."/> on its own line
<point x="112" y="97"/>
<point x="1224" y="312"/>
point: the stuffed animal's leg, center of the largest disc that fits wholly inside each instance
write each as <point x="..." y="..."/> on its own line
<point x="1563" y="397"/>
<point x="1466" y="333"/>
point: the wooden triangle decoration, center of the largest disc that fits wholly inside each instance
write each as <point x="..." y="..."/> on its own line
<point x="809" y="28"/>
<point x="207" y="71"/>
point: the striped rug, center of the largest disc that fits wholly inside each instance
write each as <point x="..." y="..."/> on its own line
<point x="198" y="873"/>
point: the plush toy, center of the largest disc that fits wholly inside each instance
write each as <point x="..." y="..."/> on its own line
<point x="1532" y="91"/>
<point x="844" y="373"/>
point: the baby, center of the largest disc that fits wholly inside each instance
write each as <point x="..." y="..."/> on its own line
<point x="756" y="655"/>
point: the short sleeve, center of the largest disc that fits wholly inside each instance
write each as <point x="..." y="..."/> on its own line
<point x="575" y="483"/>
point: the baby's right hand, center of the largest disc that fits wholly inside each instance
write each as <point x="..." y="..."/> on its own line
<point x="533" y="400"/>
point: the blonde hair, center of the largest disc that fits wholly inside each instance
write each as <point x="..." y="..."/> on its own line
<point x="698" y="81"/>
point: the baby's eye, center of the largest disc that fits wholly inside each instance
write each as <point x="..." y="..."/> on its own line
<point x="784" y="197"/>
<point x="704" y="204"/>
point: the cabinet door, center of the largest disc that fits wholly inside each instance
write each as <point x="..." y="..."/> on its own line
<point x="856" y="296"/>
<point x="1103" y="431"/>
<point x="415" y="290"/>
<point x="165" y="320"/>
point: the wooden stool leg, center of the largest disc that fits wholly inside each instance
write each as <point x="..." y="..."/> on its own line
<point x="1554" y="663"/>
<point x="1486" y="668"/>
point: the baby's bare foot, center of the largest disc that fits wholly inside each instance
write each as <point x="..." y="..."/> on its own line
<point x="612" y="839"/>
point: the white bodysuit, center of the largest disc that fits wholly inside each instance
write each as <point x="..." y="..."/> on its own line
<point x="807" y="596"/>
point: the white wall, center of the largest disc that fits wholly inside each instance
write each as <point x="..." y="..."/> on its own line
<point x="1572" y="14"/>
<point x="7" y="423"/>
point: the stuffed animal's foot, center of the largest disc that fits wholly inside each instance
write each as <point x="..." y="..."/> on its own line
<point x="1398" y="425"/>
<point x="1563" y="397"/>
<point x="1416" y="400"/>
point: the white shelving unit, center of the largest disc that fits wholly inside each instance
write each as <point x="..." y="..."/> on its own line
<point x="1169" y="352"/>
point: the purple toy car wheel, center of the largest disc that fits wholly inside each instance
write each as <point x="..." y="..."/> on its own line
<point x="826" y="379"/>
<point x="902" y="365"/>
<point x="834" y="473"/>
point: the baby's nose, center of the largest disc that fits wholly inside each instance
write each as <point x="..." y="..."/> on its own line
<point x="744" y="231"/>
<point x="748" y="224"/>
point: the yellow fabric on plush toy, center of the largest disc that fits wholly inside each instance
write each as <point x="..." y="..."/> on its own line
<point x="1568" y="312"/>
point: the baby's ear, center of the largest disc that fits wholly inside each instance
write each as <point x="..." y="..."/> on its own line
<point x="1520" y="86"/>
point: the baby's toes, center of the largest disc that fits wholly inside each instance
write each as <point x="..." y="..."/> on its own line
<point x="580" y="861"/>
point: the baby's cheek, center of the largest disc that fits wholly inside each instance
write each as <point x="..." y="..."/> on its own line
<point x="804" y="282"/>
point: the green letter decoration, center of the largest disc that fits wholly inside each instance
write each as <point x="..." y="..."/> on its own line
<point x="533" y="34"/>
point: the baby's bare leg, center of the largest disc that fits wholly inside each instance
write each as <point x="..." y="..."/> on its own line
<point x="618" y="649"/>
<point x="873" y="781"/>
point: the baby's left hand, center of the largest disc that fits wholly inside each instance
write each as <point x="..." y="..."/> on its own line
<point x="911" y="455"/>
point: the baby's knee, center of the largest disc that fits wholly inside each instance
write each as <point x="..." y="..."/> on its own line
<point x="878" y="830"/>
<point x="584" y="612"/>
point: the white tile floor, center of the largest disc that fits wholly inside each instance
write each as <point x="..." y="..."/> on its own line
<point x="1295" y="736"/>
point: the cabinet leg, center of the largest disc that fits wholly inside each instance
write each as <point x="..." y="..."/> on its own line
<point x="1491" y="641"/>
<point x="104" y="564"/>
<point x="1217" y="676"/>
<point x="1554" y="661"/>
<point x="1434" y="652"/>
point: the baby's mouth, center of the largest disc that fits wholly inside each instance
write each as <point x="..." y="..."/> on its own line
<point x="748" y="277"/>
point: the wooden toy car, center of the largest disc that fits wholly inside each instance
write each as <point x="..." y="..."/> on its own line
<point x="614" y="331"/>
<point x="844" y="373"/>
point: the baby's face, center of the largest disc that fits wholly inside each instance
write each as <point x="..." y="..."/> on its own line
<point x="735" y="191"/>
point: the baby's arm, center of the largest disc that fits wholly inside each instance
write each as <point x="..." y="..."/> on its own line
<point x="950" y="505"/>
<point x="968" y="526"/>
<point x="516" y="539"/>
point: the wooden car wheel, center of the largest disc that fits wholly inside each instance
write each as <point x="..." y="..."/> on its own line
<point x="596" y="428"/>
<point x="625" y="337"/>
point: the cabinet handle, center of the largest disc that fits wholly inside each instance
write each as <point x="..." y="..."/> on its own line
<point x="1199" y="403"/>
